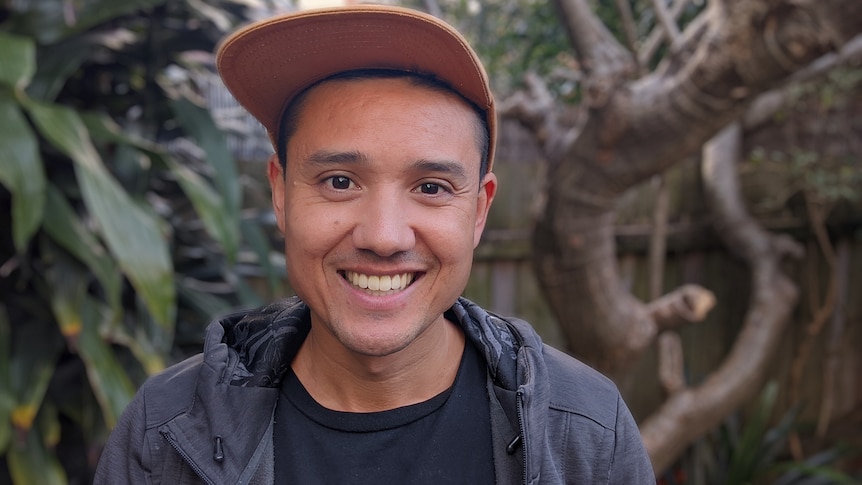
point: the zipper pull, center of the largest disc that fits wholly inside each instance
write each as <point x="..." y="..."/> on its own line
<point x="513" y="446"/>
<point x="218" y="451"/>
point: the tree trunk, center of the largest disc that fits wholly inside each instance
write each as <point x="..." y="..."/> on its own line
<point x="634" y="129"/>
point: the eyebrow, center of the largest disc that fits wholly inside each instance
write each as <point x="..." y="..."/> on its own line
<point x="332" y="158"/>
<point x="449" y="167"/>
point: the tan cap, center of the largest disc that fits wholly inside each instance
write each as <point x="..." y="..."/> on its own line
<point x="267" y="63"/>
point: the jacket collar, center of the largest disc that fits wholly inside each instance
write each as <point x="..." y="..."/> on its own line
<point x="266" y="341"/>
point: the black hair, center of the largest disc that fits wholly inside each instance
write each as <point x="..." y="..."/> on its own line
<point x="289" y="119"/>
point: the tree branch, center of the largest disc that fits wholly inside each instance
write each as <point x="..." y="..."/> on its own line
<point x="535" y="109"/>
<point x="667" y="21"/>
<point x="602" y="58"/>
<point x="655" y="38"/>
<point x="671" y="369"/>
<point x="686" y="304"/>
<point x="688" y="414"/>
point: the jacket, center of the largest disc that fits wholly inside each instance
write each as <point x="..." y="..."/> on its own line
<point x="209" y="419"/>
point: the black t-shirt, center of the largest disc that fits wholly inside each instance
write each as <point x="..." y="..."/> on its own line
<point x="445" y="440"/>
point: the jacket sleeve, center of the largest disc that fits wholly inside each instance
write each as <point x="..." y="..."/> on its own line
<point x="122" y="459"/>
<point x="631" y="464"/>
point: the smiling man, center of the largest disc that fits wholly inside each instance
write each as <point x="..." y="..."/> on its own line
<point x="378" y="371"/>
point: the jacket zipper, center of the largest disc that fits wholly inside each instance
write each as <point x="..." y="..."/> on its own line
<point x="523" y="431"/>
<point x="170" y="439"/>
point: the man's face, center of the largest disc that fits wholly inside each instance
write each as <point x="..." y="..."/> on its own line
<point x="381" y="207"/>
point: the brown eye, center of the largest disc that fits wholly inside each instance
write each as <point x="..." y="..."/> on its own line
<point x="429" y="188"/>
<point x="340" y="182"/>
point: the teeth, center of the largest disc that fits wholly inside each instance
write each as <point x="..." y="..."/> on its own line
<point x="380" y="283"/>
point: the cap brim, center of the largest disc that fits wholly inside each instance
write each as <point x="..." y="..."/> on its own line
<point x="266" y="64"/>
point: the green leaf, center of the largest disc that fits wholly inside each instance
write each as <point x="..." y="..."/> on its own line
<point x="56" y="64"/>
<point x="35" y="372"/>
<point x="21" y="171"/>
<point x="31" y="462"/>
<point x="108" y="379"/>
<point x="80" y="318"/>
<point x="52" y="20"/>
<point x="19" y="60"/>
<point x="63" y="225"/>
<point x="201" y="301"/>
<point x="35" y="349"/>
<point x="258" y="242"/>
<point x="6" y="401"/>
<point x="68" y="288"/>
<point x="199" y="124"/>
<point x="749" y="451"/>
<point x="133" y="235"/>
<point x="210" y="207"/>
<point x="217" y="212"/>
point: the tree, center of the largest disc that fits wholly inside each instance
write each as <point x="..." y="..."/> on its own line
<point x="635" y="118"/>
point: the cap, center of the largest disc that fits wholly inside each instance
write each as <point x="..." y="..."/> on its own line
<point x="267" y="63"/>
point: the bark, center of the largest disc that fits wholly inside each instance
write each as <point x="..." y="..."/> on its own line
<point x="633" y="129"/>
<point x="688" y="414"/>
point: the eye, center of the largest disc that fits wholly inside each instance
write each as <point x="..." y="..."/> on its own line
<point x="340" y="182"/>
<point x="429" y="188"/>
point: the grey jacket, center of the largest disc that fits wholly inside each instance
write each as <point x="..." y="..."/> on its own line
<point x="209" y="419"/>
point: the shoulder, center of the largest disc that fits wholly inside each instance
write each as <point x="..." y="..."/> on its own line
<point x="587" y="412"/>
<point x="170" y="392"/>
<point x="578" y="388"/>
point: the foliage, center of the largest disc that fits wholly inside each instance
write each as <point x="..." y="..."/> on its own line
<point x="513" y="37"/>
<point x="755" y="452"/>
<point x="817" y="158"/>
<point x="116" y="246"/>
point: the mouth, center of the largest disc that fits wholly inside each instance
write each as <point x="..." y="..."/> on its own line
<point x="379" y="284"/>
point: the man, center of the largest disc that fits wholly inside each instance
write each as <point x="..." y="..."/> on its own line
<point x="377" y="372"/>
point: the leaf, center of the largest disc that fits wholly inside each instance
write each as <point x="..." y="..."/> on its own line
<point x="201" y="301"/>
<point x="51" y="20"/>
<point x="210" y="207"/>
<point x="132" y="234"/>
<point x="21" y="171"/>
<point x="217" y="16"/>
<point x="66" y="229"/>
<point x="56" y="65"/>
<point x="32" y="463"/>
<point x="80" y="318"/>
<point x="34" y="353"/>
<point x="199" y="124"/>
<point x="257" y="240"/>
<point x="19" y="60"/>
<point x="27" y="403"/>
<point x="6" y="401"/>
<point x="108" y="379"/>
<point x="749" y="450"/>
<point x="68" y="288"/>
<point x="213" y="208"/>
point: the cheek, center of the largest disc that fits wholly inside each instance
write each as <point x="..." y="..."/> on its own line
<point x="451" y="238"/>
<point x="312" y="230"/>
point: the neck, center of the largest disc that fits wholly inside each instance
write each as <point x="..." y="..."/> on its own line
<point x="342" y="380"/>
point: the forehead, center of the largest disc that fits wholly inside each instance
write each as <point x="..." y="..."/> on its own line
<point x="353" y="108"/>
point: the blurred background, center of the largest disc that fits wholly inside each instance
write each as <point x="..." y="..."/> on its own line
<point x="680" y="206"/>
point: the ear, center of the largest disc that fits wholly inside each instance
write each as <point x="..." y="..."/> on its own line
<point x="276" y="184"/>
<point x="487" y="190"/>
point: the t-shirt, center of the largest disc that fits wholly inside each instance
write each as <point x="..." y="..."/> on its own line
<point x="444" y="440"/>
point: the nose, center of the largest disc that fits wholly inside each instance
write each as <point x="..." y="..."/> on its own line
<point x="383" y="226"/>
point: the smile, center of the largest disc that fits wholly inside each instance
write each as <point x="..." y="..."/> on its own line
<point x="382" y="283"/>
